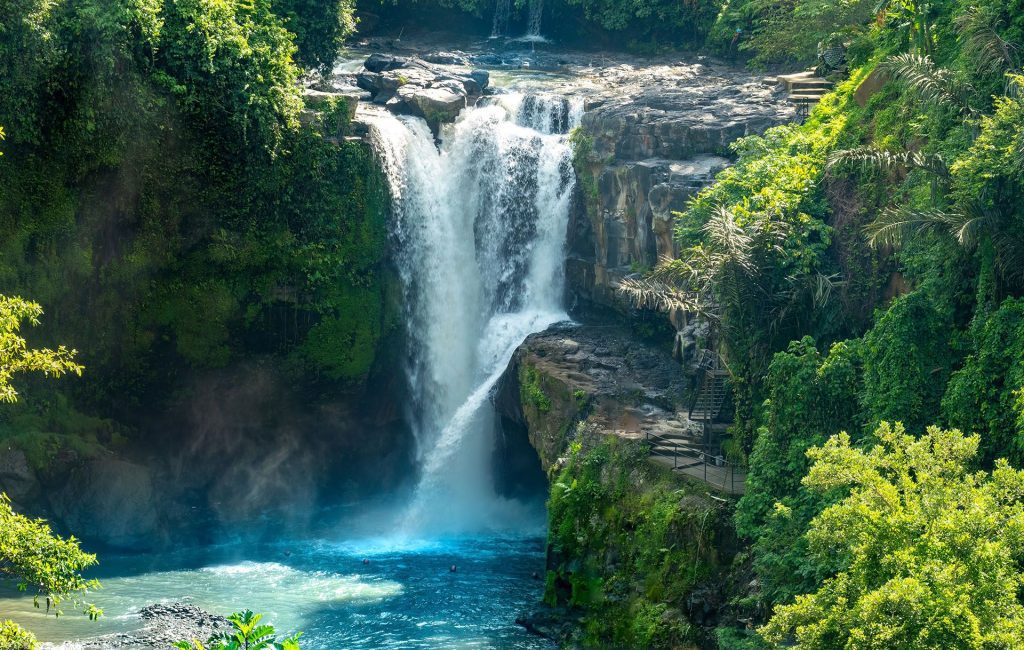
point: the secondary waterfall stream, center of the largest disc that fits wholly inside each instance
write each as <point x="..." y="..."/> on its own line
<point x="479" y="225"/>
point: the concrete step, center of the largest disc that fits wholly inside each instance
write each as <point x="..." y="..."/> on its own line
<point x="805" y="101"/>
<point x="811" y="84"/>
<point x="676" y="436"/>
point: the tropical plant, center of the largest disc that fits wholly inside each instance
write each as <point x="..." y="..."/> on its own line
<point x="982" y="212"/>
<point x="30" y="553"/>
<point x="15" y="355"/>
<point x="931" y="552"/>
<point x="44" y="563"/>
<point x="981" y="29"/>
<point x="721" y="273"/>
<point x="932" y="83"/>
<point x="247" y="634"/>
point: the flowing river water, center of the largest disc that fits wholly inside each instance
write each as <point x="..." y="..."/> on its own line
<point x="478" y="229"/>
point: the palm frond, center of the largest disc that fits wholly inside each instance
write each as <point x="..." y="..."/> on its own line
<point x="646" y="293"/>
<point x="929" y="81"/>
<point x="979" y="33"/>
<point x="1009" y="256"/>
<point x="885" y="161"/>
<point x="727" y="237"/>
<point x="898" y="224"/>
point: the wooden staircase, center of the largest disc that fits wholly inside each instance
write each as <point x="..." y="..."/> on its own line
<point x="805" y="89"/>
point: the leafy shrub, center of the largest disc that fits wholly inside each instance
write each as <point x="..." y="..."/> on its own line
<point x="246" y="634"/>
<point x="983" y="395"/>
<point x="13" y="637"/>
<point x="930" y="551"/>
<point x="634" y="542"/>
<point x="811" y="397"/>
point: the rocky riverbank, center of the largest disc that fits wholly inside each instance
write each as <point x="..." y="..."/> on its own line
<point x="161" y="625"/>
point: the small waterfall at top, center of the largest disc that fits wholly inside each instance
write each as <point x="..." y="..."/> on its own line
<point x="479" y="226"/>
<point x="502" y="15"/>
<point x="536" y="18"/>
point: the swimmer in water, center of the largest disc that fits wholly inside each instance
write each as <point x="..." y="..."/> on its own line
<point x="453" y="569"/>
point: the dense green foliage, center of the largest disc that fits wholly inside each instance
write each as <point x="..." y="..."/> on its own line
<point x="319" y="26"/>
<point x="14" y="637"/>
<point x="30" y="554"/>
<point x="17" y="357"/>
<point x="929" y="553"/>
<point x="636" y="24"/>
<point x="810" y="397"/>
<point x="634" y="542"/>
<point x="246" y="634"/>
<point x="41" y="562"/>
<point x="900" y="195"/>
<point x="163" y="201"/>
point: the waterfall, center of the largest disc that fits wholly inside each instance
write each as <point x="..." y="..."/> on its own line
<point x="479" y="227"/>
<point x="502" y="15"/>
<point x="536" y="18"/>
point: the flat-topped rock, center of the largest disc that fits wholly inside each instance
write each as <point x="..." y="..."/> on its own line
<point x="598" y="375"/>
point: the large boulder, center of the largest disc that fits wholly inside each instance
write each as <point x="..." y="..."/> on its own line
<point x="435" y="105"/>
<point x="110" y="501"/>
<point x="481" y="77"/>
<point x="446" y="58"/>
<point x="383" y="62"/>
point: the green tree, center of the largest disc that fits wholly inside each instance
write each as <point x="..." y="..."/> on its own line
<point x="810" y="397"/>
<point x="931" y="551"/>
<point x="319" y="27"/>
<point x="246" y="634"/>
<point x="15" y="355"/>
<point x="30" y="553"/>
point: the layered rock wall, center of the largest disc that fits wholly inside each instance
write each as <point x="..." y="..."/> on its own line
<point x="644" y="151"/>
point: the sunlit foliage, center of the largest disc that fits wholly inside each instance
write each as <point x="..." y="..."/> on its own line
<point x="930" y="551"/>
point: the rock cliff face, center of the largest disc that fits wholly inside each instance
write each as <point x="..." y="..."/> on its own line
<point x="594" y="375"/>
<point x="653" y="137"/>
<point x="628" y="540"/>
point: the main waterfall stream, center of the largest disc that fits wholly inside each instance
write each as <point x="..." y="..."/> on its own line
<point x="479" y="223"/>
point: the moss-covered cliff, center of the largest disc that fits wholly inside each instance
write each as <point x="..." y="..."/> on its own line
<point x="188" y="232"/>
<point x="638" y="556"/>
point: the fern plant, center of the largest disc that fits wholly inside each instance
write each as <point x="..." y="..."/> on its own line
<point x="247" y="634"/>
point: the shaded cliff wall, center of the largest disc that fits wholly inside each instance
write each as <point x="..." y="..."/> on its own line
<point x="637" y="557"/>
<point x="642" y="155"/>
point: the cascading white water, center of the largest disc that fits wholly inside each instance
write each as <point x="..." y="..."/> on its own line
<point x="502" y="15"/>
<point x="536" y="19"/>
<point x="479" y="226"/>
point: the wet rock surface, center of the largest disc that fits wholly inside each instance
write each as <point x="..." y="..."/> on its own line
<point x="598" y="375"/>
<point x="161" y="625"/>
<point x="659" y="129"/>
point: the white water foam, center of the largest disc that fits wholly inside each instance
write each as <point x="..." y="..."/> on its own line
<point x="479" y="226"/>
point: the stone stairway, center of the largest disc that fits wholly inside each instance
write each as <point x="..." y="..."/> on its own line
<point x="805" y="89"/>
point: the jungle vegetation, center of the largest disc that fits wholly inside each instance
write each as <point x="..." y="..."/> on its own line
<point x="865" y="271"/>
<point x="865" y="274"/>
